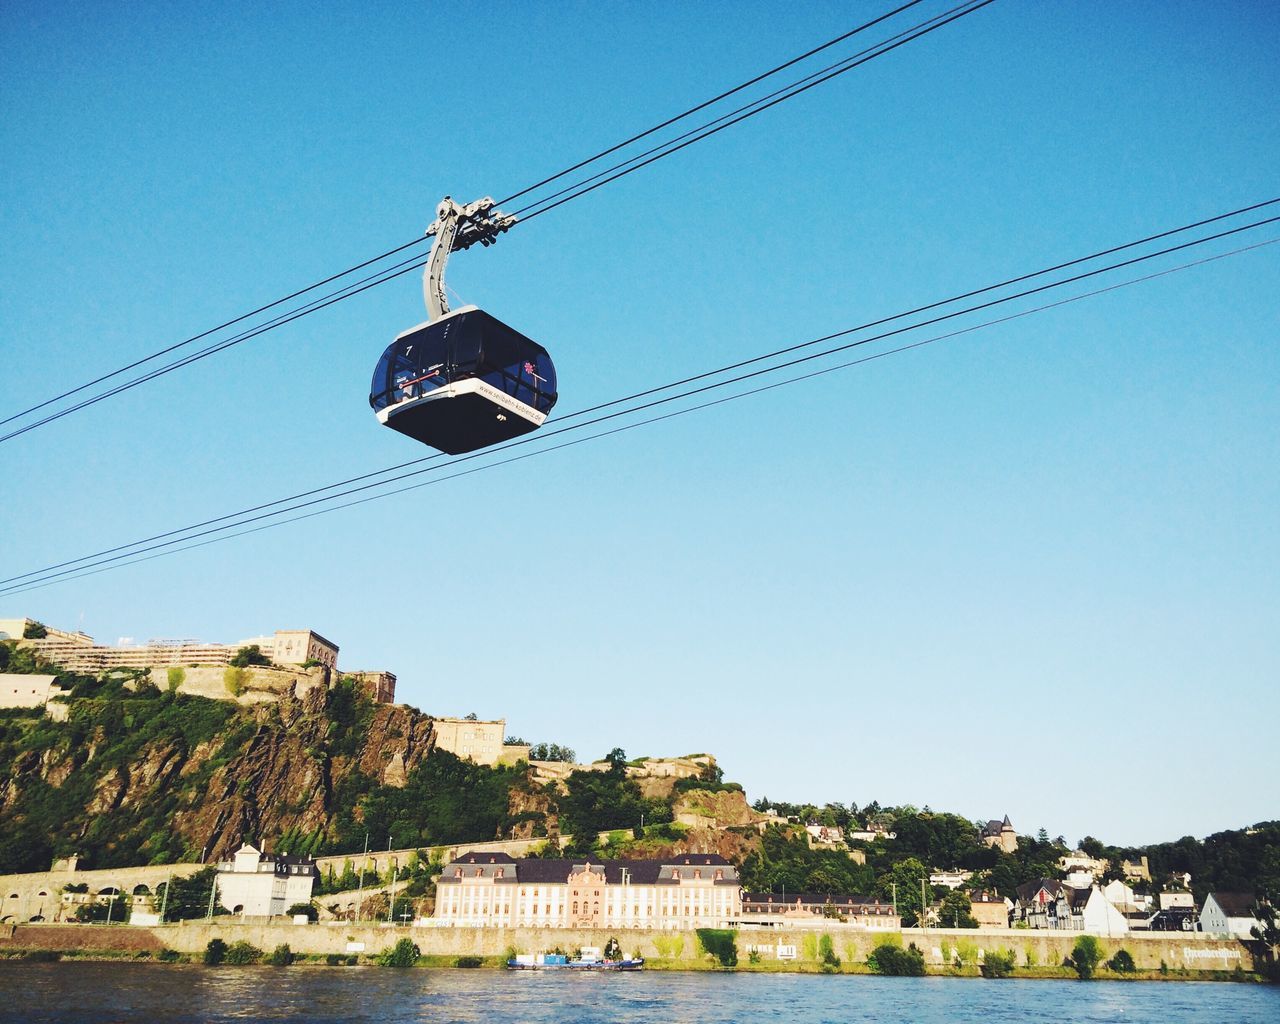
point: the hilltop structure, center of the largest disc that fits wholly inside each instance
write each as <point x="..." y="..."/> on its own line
<point x="196" y="667"/>
<point x="1000" y="834"/>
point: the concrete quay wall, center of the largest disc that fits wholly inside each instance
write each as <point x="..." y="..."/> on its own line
<point x="1178" y="951"/>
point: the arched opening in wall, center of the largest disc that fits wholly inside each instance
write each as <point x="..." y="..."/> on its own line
<point x="141" y="889"/>
<point x="43" y="892"/>
<point x="37" y="918"/>
<point x="238" y="908"/>
<point x="108" y="890"/>
<point x="13" y="895"/>
<point x="8" y="919"/>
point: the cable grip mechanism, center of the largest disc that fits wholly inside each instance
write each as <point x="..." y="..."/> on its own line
<point x="458" y="227"/>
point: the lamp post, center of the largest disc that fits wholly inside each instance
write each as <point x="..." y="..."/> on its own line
<point x="360" y="891"/>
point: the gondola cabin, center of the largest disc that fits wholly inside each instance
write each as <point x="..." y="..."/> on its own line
<point x="463" y="382"/>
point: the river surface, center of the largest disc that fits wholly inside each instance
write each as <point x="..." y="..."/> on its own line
<point x="106" y="993"/>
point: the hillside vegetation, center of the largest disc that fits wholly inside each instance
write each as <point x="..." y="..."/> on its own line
<point x="138" y="775"/>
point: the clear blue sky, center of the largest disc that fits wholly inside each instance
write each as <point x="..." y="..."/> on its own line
<point x="1034" y="570"/>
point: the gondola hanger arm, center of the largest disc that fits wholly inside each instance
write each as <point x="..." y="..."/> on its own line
<point x="457" y="227"/>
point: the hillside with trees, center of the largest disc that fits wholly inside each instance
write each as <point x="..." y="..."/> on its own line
<point x="140" y="774"/>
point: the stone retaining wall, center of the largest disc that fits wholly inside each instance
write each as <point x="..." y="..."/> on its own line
<point x="1176" y="951"/>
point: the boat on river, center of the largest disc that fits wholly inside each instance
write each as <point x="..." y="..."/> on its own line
<point x="587" y="960"/>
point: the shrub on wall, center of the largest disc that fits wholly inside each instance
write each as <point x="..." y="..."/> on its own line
<point x="1122" y="962"/>
<point x="234" y="679"/>
<point x="242" y="953"/>
<point x="215" y="952"/>
<point x="998" y="963"/>
<point x="1085" y="956"/>
<point x="669" y="947"/>
<point x="896" y="961"/>
<point x="281" y="956"/>
<point x="403" y="954"/>
<point x="177" y="676"/>
<point x="722" y="943"/>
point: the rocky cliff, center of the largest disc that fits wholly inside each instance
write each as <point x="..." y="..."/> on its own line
<point x="132" y="780"/>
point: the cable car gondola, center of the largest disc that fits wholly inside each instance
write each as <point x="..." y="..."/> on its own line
<point x="463" y="380"/>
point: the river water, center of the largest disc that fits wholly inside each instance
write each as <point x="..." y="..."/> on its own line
<point x="107" y="993"/>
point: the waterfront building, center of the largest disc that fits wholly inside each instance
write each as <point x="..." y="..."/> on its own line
<point x="1228" y="914"/>
<point x="1050" y="904"/>
<point x="257" y="884"/>
<point x="989" y="910"/>
<point x="776" y="909"/>
<point x="693" y="890"/>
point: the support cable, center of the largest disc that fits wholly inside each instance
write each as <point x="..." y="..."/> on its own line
<point x="49" y="575"/>
<point x="79" y="574"/>
<point x="316" y="305"/>
<point x="703" y="375"/>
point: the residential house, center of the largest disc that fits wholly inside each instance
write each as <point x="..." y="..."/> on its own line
<point x="1050" y="904"/>
<point x="1228" y="914"/>
<point x="989" y="910"/>
<point x="1078" y="860"/>
<point x="1039" y="903"/>
<point x="257" y="884"/>
<point x="824" y="835"/>
<point x="950" y="879"/>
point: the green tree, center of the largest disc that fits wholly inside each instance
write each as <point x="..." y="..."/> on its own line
<point x="1086" y="954"/>
<point x="186" y="899"/>
<point x="215" y="952"/>
<point x="34" y="631"/>
<point x="905" y="880"/>
<point x="250" y="655"/>
<point x="552" y="752"/>
<point x="281" y="956"/>
<point x="956" y="911"/>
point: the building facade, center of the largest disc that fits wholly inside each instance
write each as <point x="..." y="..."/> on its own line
<point x="494" y="890"/>
<point x="1000" y="834"/>
<point x="790" y="909"/>
<point x="257" y="884"/>
<point x="1228" y="914"/>
<point x="77" y="652"/>
<point x="989" y="910"/>
<point x="26" y="691"/>
<point x="477" y="739"/>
